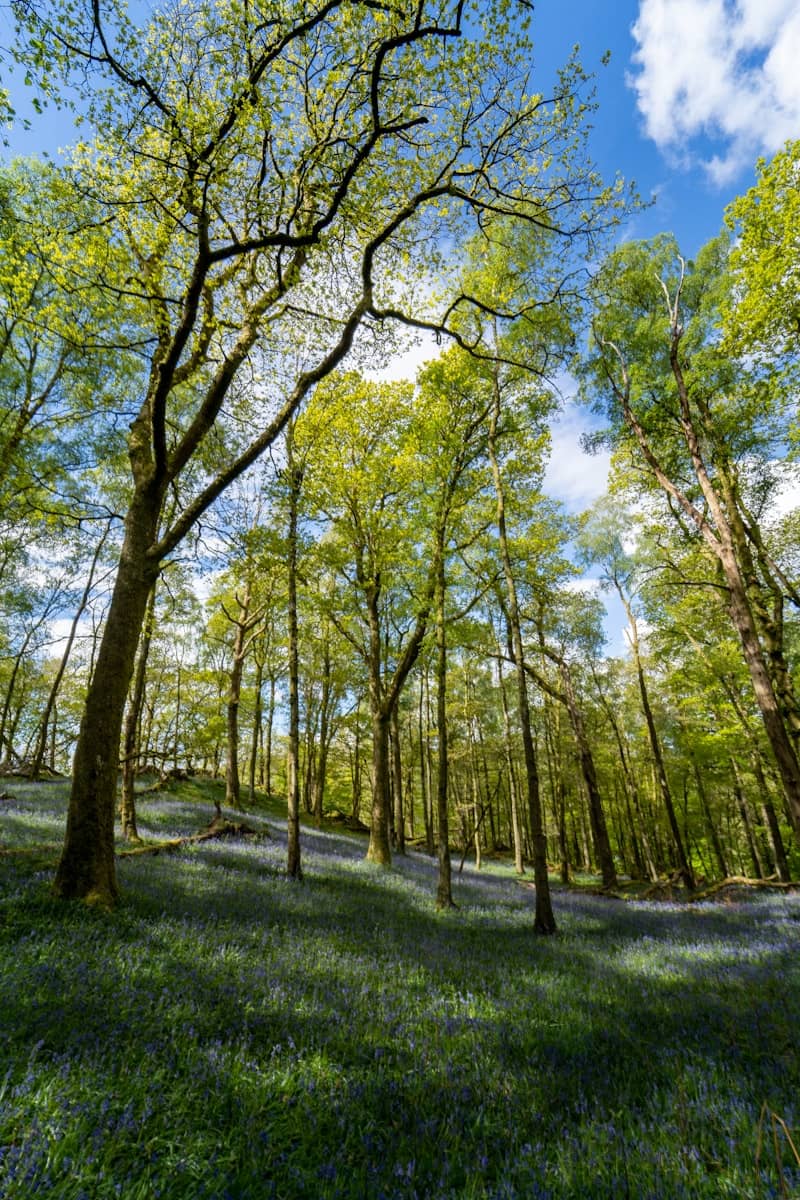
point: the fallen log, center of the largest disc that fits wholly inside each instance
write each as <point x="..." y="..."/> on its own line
<point x="742" y="881"/>
<point x="217" y="829"/>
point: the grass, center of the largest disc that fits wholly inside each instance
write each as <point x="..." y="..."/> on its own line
<point x="229" y="1033"/>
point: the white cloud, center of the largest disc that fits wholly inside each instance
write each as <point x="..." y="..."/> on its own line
<point x="573" y="476"/>
<point x="720" y="69"/>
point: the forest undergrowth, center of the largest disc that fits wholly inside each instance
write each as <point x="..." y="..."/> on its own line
<point x="227" y="1032"/>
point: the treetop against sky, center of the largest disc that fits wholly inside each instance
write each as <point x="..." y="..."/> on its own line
<point x="694" y="91"/>
<point x="690" y="92"/>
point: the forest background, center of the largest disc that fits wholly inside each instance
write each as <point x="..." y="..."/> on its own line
<point x="363" y="590"/>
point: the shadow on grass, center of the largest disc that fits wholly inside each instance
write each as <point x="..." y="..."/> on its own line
<point x="228" y="1031"/>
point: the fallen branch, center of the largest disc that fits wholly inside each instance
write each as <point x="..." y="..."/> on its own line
<point x="217" y="829"/>
<point x="742" y="881"/>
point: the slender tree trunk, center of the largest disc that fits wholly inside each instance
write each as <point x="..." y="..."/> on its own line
<point x="516" y="832"/>
<point x="477" y="814"/>
<point x="558" y="792"/>
<point x="232" y="781"/>
<point x="397" y="768"/>
<point x="770" y="816"/>
<point x="379" y="850"/>
<point x="597" y="817"/>
<point x="258" y="713"/>
<point x="633" y="791"/>
<point x="544" y="919"/>
<point x="771" y="822"/>
<point x="7" y="726"/>
<point x="356" y="765"/>
<point x="309" y="759"/>
<point x="130" y="747"/>
<point x="87" y="870"/>
<point x="41" y="742"/>
<point x="444" y="891"/>
<point x="293" y="865"/>
<point x="655" y="747"/>
<point x="382" y="700"/>
<point x="711" y="829"/>
<point x="750" y="833"/>
<point x="324" y="734"/>
<point x="426" y="766"/>
<point x="176" y="741"/>
<point x="268" y="736"/>
<point x="408" y="792"/>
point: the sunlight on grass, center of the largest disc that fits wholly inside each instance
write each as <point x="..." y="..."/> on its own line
<point x="227" y="1032"/>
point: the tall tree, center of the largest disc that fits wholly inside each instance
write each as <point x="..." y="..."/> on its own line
<point x="696" y="419"/>
<point x="455" y="406"/>
<point x="363" y="479"/>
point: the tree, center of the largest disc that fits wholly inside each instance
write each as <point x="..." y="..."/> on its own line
<point x="695" y="420"/>
<point x="53" y="373"/>
<point x="544" y="920"/>
<point x="602" y="542"/>
<point x="258" y="182"/>
<point x="567" y="695"/>
<point x="763" y="313"/>
<point x="455" y="405"/>
<point x="295" y="470"/>
<point x="41" y="741"/>
<point x="363" y="479"/>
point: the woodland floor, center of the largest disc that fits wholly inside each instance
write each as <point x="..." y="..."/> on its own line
<point x="228" y="1033"/>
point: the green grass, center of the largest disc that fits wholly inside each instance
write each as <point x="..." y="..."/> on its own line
<point x="229" y="1033"/>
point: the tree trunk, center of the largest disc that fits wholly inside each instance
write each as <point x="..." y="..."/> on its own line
<point x="87" y="870"/>
<point x="397" y="789"/>
<point x="379" y="850"/>
<point x="324" y="733"/>
<point x="130" y="747"/>
<point x="655" y="747"/>
<point x="558" y="792"/>
<point x="293" y="864"/>
<point x="355" y="770"/>
<point x="771" y="822"/>
<point x="597" y="819"/>
<point x="232" y="781"/>
<point x="444" y="891"/>
<point x="750" y="834"/>
<point x="41" y="742"/>
<point x="268" y="736"/>
<point x="425" y="764"/>
<point x="633" y="792"/>
<point x="711" y="828"/>
<point x="516" y="831"/>
<point x="255" y="733"/>
<point x="544" y="919"/>
<point x="477" y="813"/>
